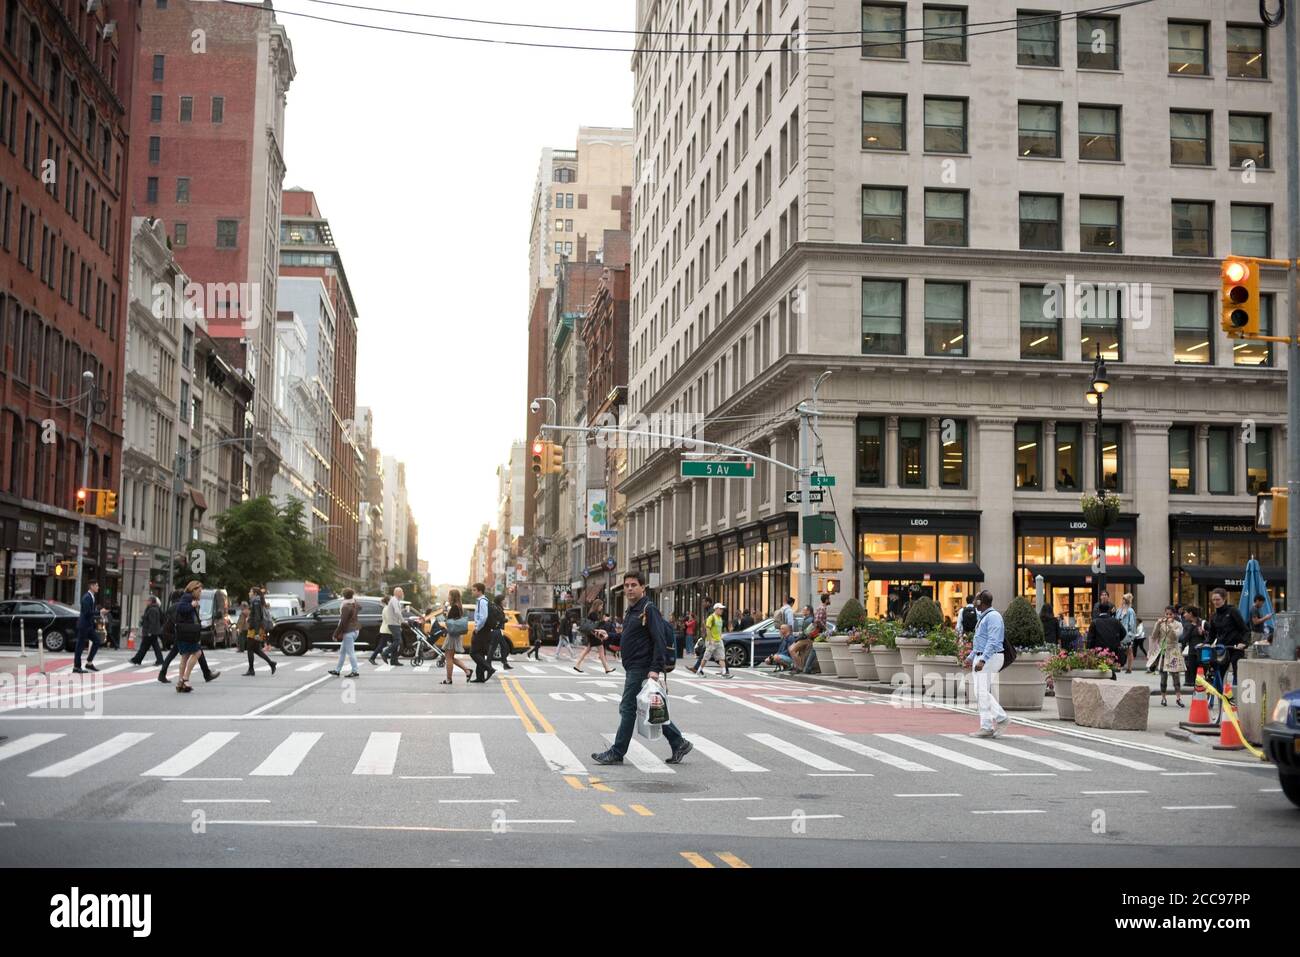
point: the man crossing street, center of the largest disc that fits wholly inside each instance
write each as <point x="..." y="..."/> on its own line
<point x="86" y="632"/>
<point x="150" y="633"/>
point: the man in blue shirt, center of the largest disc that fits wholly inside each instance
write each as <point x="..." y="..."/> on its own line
<point x="86" y="633"/>
<point x="481" y="641"/>
<point x="986" y="660"/>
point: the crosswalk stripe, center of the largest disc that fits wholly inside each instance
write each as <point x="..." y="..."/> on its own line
<point x="798" y="753"/>
<point x="380" y="753"/>
<point x="100" y="752"/>
<point x="467" y="754"/>
<point x="422" y="668"/>
<point x="534" y="670"/>
<point x="946" y="754"/>
<point x="312" y="666"/>
<point x="556" y="753"/>
<point x="109" y="670"/>
<point x="728" y="759"/>
<point x="142" y="671"/>
<point x="642" y="758"/>
<point x="26" y="743"/>
<point x="1003" y="748"/>
<point x="187" y="759"/>
<point x="857" y="747"/>
<point x="1097" y="755"/>
<point x="288" y="754"/>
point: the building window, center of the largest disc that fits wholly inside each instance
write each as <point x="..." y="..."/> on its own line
<point x="1189" y="138"/>
<point x="945" y="125"/>
<point x="912" y="434"/>
<point x="182" y="189"/>
<point x="1098" y="39"/>
<point x="1029" y="445"/>
<point x="1251" y="230"/>
<point x="155" y="150"/>
<point x="1040" y="221"/>
<point x="1247" y="52"/>
<point x="952" y="473"/>
<point x="945" y="34"/>
<point x="1112" y="448"/>
<point x="882" y="30"/>
<point x="1038" y="38"/>
<point x="884" y="122"/>
<point x="218" y="109"/>
<point x="945" y="217"/>
<point x="1248" y="140"/>
<point x="1259" y="462"/>
<point x="1219" y="460"/>
<point x="884" y="215"/>
<point x="151" y="190"/>
<point x="882" y="317"/>
<point x="180" y="234"/>
<point x="1099" y="130"/>
<point x="1040" y="324"/>
<point x="155" y="108"/>
<point x="158" y="64"/>
<point x="1182" y="459"/>
<point x="871" y="452"/>
<point x="1069" y="456"/>
<point x="1250" y="352"/>
<point x="1193" y="339"/>
<point x="1193" y="228"/>
<point x="945" y="319"/>
<point x="1040" y="126"/>
<point x="1188" y="48"/>
<point x="227" y="233"/>
<point x="1100" y="225"/>
<point x="187" y="109"/>
<point x="1102" y="327"/>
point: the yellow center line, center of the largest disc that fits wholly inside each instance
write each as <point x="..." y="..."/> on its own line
<point x="696" y="860"/>
<point x="514" y="703"/>
<point x="598" y="785"/>
<point x="546" y="726"/>
<point x="575" y="783"/>
<point x="642" y="810"/>
<point x="731" y="860"/>
<point x="613" y="809"/>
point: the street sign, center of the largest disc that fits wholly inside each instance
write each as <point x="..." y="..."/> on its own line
<point x="822" y="481"/>
<point x="794" y="498"/>
<point x="718" y="470"/>
<point x="818" y="529"/>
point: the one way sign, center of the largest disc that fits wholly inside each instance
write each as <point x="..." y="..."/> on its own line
<point x="796" y="497"/>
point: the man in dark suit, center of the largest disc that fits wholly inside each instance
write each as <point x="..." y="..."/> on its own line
<point x="86" y="633"/>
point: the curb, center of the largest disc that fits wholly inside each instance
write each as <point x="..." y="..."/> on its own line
<point x="1178" y="734"/>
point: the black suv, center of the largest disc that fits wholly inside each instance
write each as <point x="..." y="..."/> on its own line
<point x="295" y="635"/>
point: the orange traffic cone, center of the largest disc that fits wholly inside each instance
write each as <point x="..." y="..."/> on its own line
<point x="1198" y="718"/>
<point x="1229" y="739"/>
<point x="130" y="639"/>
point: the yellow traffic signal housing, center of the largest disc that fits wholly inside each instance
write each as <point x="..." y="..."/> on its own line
<point x="828" y="560"/>
<point x="107" y="504"/>
<point x="539" y="455"/>
<point x="555" y="459"/>
<point x="65" y="570"/>
<point x="1271" y="512"/>
<point x="1240" y="302"/>
<point x="81" y="500"/>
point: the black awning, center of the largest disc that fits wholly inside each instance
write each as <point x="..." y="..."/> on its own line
<point x="923" y="571"/>
<point x="1230" y="576"/>
<point x="1081" y="574"/>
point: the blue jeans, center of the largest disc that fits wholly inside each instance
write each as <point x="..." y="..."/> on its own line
<point x="82" y="640"/>
<point x="632" y="682"/>
<point x="348" y="649"/>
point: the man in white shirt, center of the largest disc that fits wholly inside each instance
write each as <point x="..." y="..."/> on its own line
<point x="390" y="631"/>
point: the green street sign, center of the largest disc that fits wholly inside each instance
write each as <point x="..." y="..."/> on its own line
<point x="718" y="470"/>
<point x="818" y="529"/>
<point x="822" y="481"/>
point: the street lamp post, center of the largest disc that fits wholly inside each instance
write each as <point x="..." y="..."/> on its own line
<point x="1096" y="393"/>
<point x="88" y="378"/>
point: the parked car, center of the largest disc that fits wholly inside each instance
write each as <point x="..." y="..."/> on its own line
<point x="764" y="638"/>
<point x="25" y="616"/>
<point x="1282" y="743"/>
<point x="295" y="634"/>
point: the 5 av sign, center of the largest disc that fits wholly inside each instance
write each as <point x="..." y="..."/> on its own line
<point x="707" y="469"/>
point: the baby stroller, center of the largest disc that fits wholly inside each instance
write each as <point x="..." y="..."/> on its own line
<point x="425" y="647"/>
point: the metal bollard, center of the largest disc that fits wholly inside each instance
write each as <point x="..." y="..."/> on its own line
<point x="40" y="648"/>
<point x="22" y="637"/>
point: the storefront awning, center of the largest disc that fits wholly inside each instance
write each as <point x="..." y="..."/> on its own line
<point x="923" y="571"/>
<point x="1081" y="574"/>
<point x="1230" y="576"/>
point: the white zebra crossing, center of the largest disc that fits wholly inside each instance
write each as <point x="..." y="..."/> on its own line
<point x="468" y="755"/>
<point x="26" y="743"/>
<point x="975" y="764"/>
<point x="1003" y="748"/>
<point x="556" y="753"/>
<point x="284" y="760"/>
<point x="728" y="759"/>
<point x="1098" y="756"/>
<point x="642" y="758"/>
<point x="99" y="753"/>
<point x="798" y="753"/>
<point x="187" y="759"/>
<point x="857" y="747"/>
<point x="380" y="753"/>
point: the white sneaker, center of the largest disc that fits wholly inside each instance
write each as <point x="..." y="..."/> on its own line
<point x="983" y="733"/>
<point x="1000" y="725"/>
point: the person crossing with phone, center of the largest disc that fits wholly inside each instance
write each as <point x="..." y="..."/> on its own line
<point x="985" y="658"/>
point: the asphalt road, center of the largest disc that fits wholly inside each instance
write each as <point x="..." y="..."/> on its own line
<point x="304" y="769"/>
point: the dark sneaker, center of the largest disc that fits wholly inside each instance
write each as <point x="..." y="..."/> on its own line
<point x="334" y="673"/>
<point x="90" y="667"/>
<point x="608" y="757"/>
<point x="680" y="752"/>
<point x="82" y="671"/>
<point x="212" y="677"/>
<point x="355" y="674"/>
<point x="163" y="679"/>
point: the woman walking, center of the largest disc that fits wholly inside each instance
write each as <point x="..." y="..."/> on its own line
<point x="590" y="627"/>
<point x="1051" y="627"/>
<point x="257" y="629"/>
<point x="349" y="627"/>
<point x="457" y="621"/>
<point x="1169" y="655"/>
<point x="1128" y="618"/>
<point x="187" y="633"/>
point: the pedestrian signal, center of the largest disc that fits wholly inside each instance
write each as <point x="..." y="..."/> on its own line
<point x="1240" y="303"/>
<point x="65" y="570"/>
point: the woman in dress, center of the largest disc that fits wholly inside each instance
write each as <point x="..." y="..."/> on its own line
<point x="457" y="621"/>
<point x="187" y="633"/>
<point x="256" y="629"/>
<point x="590" y="627"/>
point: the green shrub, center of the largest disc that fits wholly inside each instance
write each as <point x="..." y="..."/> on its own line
<point x="923" y="617"/>
<point x="943" y="641"/>
<point x="882" y="632"/>
<point x="851" y="617"/>
<point x="1024" y="629"/>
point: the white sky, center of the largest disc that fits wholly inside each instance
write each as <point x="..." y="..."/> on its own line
<point x="422" y="154"/>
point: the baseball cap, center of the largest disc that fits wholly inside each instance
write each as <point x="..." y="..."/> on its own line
<point x="718" y="605"/>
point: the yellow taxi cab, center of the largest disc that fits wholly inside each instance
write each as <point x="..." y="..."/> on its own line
<point x="515" y="630"/>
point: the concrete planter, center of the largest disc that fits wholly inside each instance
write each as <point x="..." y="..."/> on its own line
<point x="888" y="663"/>
<point x="1065" y="693"/>
<point x="938" y="677"/>
<point x="825" y="660"/>
<point x="1021" y="686"/>
<point x="843" y="659"/>
<point x="863" y="663"/>
<point x="908" y="649"/>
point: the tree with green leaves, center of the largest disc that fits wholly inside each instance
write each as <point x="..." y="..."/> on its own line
<point x="1024" y="629"/>
<point x="251" y="545"/>
<point x="309" y="557"/>
<point x="412" y="586"/>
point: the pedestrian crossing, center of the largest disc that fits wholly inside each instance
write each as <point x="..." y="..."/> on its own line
<point x="389" y="753"/>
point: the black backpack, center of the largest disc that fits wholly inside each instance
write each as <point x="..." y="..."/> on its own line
<point x="970" y="620"/>
<point x="495" y="617"/>
<point x="666" y="636"/>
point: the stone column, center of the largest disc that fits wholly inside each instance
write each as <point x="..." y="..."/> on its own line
<point x="1088" y="460"/>
<point x="891" y="452"/>
<point x="1201" y="461"/>
<point x="1048" y="456"/>
<point x="994" y="482"/>
<point x="933" y="455"/>
<point x="1148" y="484"/>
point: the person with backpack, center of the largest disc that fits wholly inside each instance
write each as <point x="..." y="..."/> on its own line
<point x="345" y="633"/>
<point x="968" y="619"/>
<point x="590" y="629"/>
<point x="481" y="642"/>
<point x="646" y="656"/>
<point x="499" y="647"/>
<point x="985" y="658"/>
<point x="150" y="633"/>
<point x="259" y="620"/>
<point x="456" y="622"/>
<point x="169" y="635"/>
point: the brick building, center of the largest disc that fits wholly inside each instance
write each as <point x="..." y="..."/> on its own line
<point x="65" y="96"/>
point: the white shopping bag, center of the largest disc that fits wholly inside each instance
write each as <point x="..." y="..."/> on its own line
<point x="651" y="710"/>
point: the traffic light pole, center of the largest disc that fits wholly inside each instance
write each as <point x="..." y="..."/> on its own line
<point x="88" y="378"/>
<point x="1285" y="638"/>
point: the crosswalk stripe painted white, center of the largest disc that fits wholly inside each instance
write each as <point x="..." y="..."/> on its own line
<point x="556" y="753"/>
<point x="120" y="667"/>
<point x="1097" y="755"/>
<point x="380" y="753"/>
<point x="1023" y="755"/>
<point x="467" y="754"/>
<point x="189" y="758"/>
<point x="288" y="754"/>
<point x="100" y="752"/>
<point x="312" y="666"/>
<point x="977" y="764"/>
<point x="857" y="747"/>
<point x="143" y="671"/>
<point x="423" y="668"/>
<point x="643" y="759"/>
<point x="728" y="759"/>
<point x="534" y="670"/>
<point x="799" y="754"/>
<point x="26" y="743"/>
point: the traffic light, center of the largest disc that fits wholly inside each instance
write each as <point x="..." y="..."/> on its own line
<point x="828" y="560"/>
<point x="107" y="504"/>
<point x="828" y="586"/>
<point x="539" y="455"/>
<point x="1271" y="513"/>
<point x="81" y="501"/>
<point x="65" y="570"/>
<point x="1240" y="303"/>
<point x="555" y="459"/>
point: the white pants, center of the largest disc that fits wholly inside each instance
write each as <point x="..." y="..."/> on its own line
<point x="990" y="710"/>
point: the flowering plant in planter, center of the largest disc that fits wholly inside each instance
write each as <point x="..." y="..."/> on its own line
<point x="1100" y="511"/>
<point x="922" y="618"/>
<point x="1086" y="659"/>
<point x="964" y="646"/>
<point x="882" y="632"/>
<point x="943" y="641"/>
